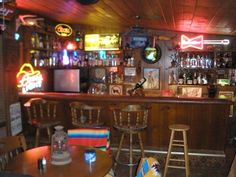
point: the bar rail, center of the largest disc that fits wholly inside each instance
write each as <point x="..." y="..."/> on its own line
<point x="145" y="99"/>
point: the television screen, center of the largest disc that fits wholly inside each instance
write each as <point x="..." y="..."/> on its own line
<point x="67" y="80"/>
<point x="138" y="41"/>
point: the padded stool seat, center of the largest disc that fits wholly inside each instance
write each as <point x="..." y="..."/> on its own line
<point x="178" y="143"/>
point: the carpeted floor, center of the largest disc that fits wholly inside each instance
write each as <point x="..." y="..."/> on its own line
<point x="199" y="166"/>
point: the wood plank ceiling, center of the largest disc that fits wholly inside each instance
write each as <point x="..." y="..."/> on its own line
<point x="202" y="16"/>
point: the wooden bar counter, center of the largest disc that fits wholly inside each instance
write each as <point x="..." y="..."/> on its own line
<point x="206" y="117"/>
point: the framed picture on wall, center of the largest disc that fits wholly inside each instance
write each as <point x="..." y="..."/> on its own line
<point x="115" y="89"/>
<point x="192" y="91"/>
<point x="230" y="96"/>
<point x="226" y="95"/>
<point x="153" y="78"/>
<point x="130" y="71"/>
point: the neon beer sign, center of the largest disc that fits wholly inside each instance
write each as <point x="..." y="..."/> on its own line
<point x="195" y="42"/>
<point x="28" y="78"/>
<point x="102" y="42"/>
<point x="198" y="42"/>
<point x="63" y="30"/>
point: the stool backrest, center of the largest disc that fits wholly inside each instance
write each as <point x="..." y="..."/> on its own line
<point x="10" y="146"/>
<point x="84" y="115"/>
<point x="130" y="115"/>
<point x="38" y="108"/>
<point x="93" y="137"/>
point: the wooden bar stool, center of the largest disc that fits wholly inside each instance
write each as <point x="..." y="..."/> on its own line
<point x="42" y="114"/>
<point x="130" y="120"/>
<point x="84" y="115"/>
<point x="178" y="143"/>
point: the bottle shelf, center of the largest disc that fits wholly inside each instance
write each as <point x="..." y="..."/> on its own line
<point x="203" y="67"/>
<point x="189" y="85"/>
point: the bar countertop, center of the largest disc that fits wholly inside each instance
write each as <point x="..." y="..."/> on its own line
<point x="147" y="99"/>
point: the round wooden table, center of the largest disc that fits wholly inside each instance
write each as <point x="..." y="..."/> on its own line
<point x="27" y="163"/>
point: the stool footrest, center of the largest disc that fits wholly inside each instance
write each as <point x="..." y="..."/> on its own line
<point x="179" y="167"/>
<point x="180" y="141"/>
<point x="178" y="160"/>
<point x="126" y="163"/>
<point x="181" y="145"/>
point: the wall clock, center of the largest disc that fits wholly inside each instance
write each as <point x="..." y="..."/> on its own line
<point x="151" y="54"/>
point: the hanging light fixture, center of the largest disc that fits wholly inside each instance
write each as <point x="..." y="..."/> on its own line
<point x="87" y="2"/>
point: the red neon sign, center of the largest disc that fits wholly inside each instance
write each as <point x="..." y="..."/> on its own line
<point x="195" y="42"/>
<point x="198" y="42"/>
<point x="28" y="78"/>
<point x="70" y="46"/>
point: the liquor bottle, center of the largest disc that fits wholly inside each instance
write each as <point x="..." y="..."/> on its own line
<point x="181" y="78"/>
<point x="232" y="78"/>
<point x="33" y="60"/>
<point x="185" y="78"/>
<point x="189" y="78"/>
<point x="37" y="42"/>
<point x="181" y="62"/>
<point x="194" y="78"/>
<point x="137" y="90"/>
<point x="199" y="61"/>
<point x="204" y="79"/>
<point x="199" y="78"/>
<point x="41" y="45"/>
<point x="139" y="84"/>
<point x="193" y="62"/>
<point x="188" y="61"/>
<point x="207" y="62"/>
<point x="33" y="40"/>
<point x="47" y="42"/>
<point x="170" y="78"/>
<point x="203" y="62"/>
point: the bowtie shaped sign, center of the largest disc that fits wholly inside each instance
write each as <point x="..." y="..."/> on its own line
<point x="198" y="42"/>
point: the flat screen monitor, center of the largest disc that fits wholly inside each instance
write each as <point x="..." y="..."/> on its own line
<point x="67" y="80"/>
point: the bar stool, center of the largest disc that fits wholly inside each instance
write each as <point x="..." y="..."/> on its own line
<point x="130" y="120"/>
<point x="42" y="114"/>
<point x="84" y="115"/>
<point x="178" y="143"/>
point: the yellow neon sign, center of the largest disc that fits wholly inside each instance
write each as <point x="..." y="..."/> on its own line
<point x="63" y="30"/>
<point x="28" y="78"/>
<point x="102" y="42"/>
